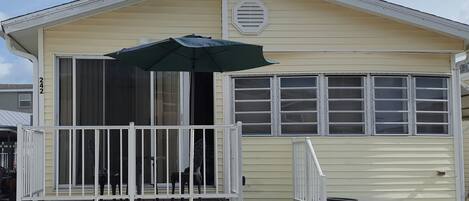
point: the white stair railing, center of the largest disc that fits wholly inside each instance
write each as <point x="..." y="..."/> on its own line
<point x="309" y="182"/>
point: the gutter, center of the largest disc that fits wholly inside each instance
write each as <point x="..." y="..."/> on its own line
<point x="5" y="35"/>
<point x="458" y="136"/>
<point x="15" y="90"/>
<point x="10" y="41"/>
<point x="2" y="31"/>
<point x="63" y="13"/>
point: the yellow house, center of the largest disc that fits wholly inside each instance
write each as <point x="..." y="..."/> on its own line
<point x="372" y="85"/>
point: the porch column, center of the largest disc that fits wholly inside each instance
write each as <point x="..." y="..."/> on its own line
<point x="131" y="161"/>
<point x="19" y="163"/>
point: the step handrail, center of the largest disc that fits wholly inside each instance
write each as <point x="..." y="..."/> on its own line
<point x="309" y="181"/>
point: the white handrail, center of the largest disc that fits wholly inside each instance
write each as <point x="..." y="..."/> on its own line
<point x="309" y="181"/>
<point x="103" y="166"/>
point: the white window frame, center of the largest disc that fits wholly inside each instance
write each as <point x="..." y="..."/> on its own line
<point x="448" y="106"/>
<point x="271" y="100"/>
<point x="279" y="100"/>
<point x="21" y="98"/>
<point x="364" y="99"/>
<point x="369" y="103"/>
<point x="408" y="100"/>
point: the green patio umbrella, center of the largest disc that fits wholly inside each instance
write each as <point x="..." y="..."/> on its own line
<point x="193" y="53"/>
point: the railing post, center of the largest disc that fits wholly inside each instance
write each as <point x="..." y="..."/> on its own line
<point x="239" y="135"/>
<point x="226" y="160"/>
<point x="294" y="167"/>
<point x="96" y="164"/>
<point x="19" y="163"/>
<point x="324" y="188"/>
<point x="131" y="161"/>
<point x="191" y="165"/>
<point x="308" y="173"/>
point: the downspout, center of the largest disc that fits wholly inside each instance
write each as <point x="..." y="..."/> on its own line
<point x="458" y="136"/>
<point x="461" y="149"/>
<point x="10" y="45"/>
<point x="465" y="75"/>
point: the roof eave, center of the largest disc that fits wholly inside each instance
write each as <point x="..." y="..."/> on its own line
<point x="2" y="31"/>
<point x="76" y="9"/>
<point x="407" y="15"/>
<point x="61" y="13"/>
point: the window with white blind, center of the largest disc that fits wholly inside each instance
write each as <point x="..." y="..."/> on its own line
<point x="346" y="101"/>
<point x="342" y="105"/>
<point x="298" y="105"/>
<point x="253" y="104"/>
<point x="431" y="102"/>
<point x="391" y="105"/>
<point x="25" y="100"/>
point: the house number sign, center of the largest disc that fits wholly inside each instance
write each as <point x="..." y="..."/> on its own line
<point x="41" y="85"/>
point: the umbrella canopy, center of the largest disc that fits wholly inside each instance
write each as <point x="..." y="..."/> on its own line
<point x="193" y="53"/>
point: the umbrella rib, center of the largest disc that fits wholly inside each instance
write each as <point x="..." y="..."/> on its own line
<point x="163" y="57"/>
<point x="226" y="49"/>
<point x="213" y="60"/>
<point x="182" y="55"/>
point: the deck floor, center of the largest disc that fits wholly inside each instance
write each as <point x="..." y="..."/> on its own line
<point x="149" y="191"/>
<point x="206" y="199"/>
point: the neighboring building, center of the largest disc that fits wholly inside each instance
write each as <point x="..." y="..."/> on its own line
<point x="15" y="109"/>
<point x="464" y="89"/>
<point x="9" y="120"/>
<point x="373" y="84"/>
<point x="16" y="97"/>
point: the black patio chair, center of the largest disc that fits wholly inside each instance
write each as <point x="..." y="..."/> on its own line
<point x="198" y="160"/>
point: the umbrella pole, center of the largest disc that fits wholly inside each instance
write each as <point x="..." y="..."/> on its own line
<point x="192" y="91"/>
<point x="192" y="99"/>
<point x="192" y="122"/>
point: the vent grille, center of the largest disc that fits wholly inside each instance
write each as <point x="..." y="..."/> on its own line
<point x="250" y="16"/>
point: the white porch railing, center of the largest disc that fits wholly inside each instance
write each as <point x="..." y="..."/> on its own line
<point x="127" y="167"/>
<point x="29" y="162"/>
<point x="309" y="182"/>
<point x="7" y="155"/>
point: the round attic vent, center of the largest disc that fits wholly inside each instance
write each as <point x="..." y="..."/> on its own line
<point x="250" y="16"/>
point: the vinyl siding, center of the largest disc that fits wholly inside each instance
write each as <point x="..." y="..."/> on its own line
<point x="318" y="25"/>
<point x="367" y="168"/>
<point x="111" y="31"/>
<point x="316" y="62"/>
<point x="300" y="35"/>
<point x="465" y="106"/>
<point x="465" y="127"/>
<point x="10" y="101"/>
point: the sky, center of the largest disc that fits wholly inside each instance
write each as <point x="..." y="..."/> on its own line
<point x="14" y="69"/>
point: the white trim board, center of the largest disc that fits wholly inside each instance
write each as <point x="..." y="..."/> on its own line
<point x="15" y="90"/>
<point x="38" y="76"/>
<point x="457" y="130"/>
<point x="408" y="15"/>
<point x="61" y="13"/>
<point x="83" y="8"/>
